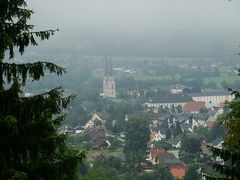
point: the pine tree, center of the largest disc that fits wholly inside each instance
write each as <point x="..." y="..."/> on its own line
<point x="230" y="151"/>
<point x="31" y="147"/>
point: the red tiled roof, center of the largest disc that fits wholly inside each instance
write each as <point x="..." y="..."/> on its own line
<point x="178" y="171"/>
<point x="193" y="106"/>
<point x="153" y="134"/>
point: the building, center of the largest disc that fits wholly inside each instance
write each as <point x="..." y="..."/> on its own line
<point x="168" y="100"/>
<point x="109" y="87"/>
<point x="194" y="107"/>
<point x="159" y="155"/>
<point x="216" y="97"/>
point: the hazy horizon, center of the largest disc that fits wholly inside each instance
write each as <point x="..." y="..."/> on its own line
<point x="140" y="27"/>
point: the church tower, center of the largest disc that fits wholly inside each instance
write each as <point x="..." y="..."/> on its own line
<point x="109" y="89"/>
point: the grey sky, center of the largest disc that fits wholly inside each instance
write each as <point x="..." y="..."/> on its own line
<point x="141" y="27"/>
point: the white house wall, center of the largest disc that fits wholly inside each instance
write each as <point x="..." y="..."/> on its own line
<point x="213" y="99"/>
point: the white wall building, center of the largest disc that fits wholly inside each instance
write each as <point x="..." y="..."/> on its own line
<point x="216" y="97"/>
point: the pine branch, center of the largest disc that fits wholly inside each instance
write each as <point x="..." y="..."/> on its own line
<point x="33" y="70"/>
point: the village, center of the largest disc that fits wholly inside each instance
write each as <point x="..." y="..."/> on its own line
<point x="181" y="126"/>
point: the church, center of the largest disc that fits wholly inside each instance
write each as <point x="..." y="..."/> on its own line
<point x="109" y="88"/>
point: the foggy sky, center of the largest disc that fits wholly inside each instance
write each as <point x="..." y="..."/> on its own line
<point x="178" y="28"/>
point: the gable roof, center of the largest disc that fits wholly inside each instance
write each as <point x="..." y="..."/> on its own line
<point x="210" y="122"/>
<point x="194" y="106"/>
<point x="174" y="141"/>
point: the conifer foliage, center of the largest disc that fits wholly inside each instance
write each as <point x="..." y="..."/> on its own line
<point x="31" y="147"/>
<point x="230" y="151"/>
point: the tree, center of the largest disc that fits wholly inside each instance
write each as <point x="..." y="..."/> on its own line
<point x="100" y="174"/>
<point x="230" y="153"/>
<point x="191" y="145"/>
<point x="216" y="131"/>
<point x="179" y="109"/>
<point x="203" y="110"/>
<point x="191" y="174"/>
<point x="137" y="134"/>
<point x="173" y="109"/>
<point x="168" y="134"/>
<point x="177" y="129"/>
<point x="31" y="147"/>
<point x="110" y="162"/>
<point x="164" y="173"/>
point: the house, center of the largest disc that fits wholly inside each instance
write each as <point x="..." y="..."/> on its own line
<point x="212" y="96"/>
<point x="177" y="89"/>
<point x="89" y="124"/>
<point x="190" y="124"/>
<point x="217" y="143"/>
<point x="65" y="129"/>
<point x="178" y="170"/>
<point x="78" y="130"/>
<point x="158" y="155"/>
<point x="98" y="137"/>
<point x="194" y="107"/>
<point x="96" y="117"/>
<point x="186" y="127"/>
<point x="153" y="136"/>
<point x="156" y="136"/>
<point x="175" y="141"/>
<point x="201" y="118"/>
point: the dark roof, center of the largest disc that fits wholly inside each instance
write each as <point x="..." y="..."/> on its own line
<point x="185" y="126"/>
<point x="201" y="116"/>
<point x="96" y="133"/>
<point x="172" y="161"/>
<point x="171" y="98"/>
<point x="78" y="128"/>
<point x="164" y="116"/>
<point x="175" y="140"/>
<point x="210" y="93"/>
<point x="217" y="141"/>
<point x="181" y="117"/>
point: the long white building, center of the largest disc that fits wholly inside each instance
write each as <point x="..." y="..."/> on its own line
<point x="215" y="97"/>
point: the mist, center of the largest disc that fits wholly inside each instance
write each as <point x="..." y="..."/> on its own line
<point x="168" y="28"/>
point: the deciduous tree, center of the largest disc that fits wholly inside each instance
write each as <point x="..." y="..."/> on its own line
<point x="137" y="134"/>
<point x="230" y="152"/>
